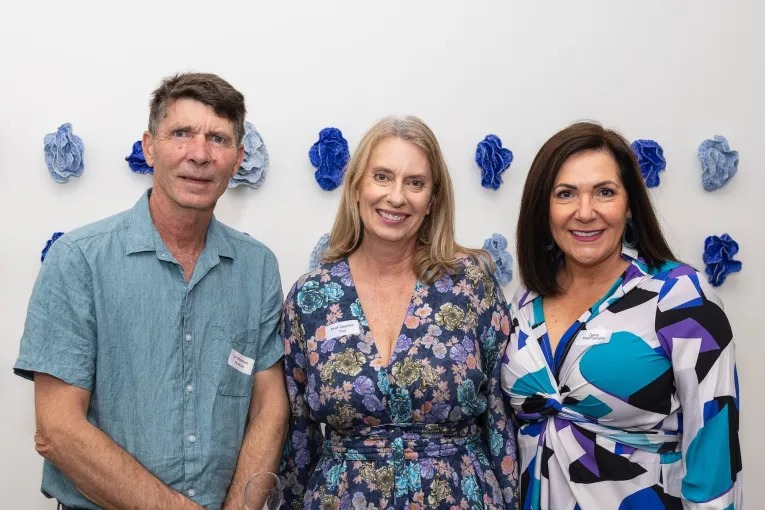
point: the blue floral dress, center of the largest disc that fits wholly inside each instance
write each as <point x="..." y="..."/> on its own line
<point x="428" y="430"/>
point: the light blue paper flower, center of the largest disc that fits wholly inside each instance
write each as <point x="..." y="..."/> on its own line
<point x="329" y="155"/>
<point x="63" y="154"/>
<point x="493" y="160"/>
<point x="718" y="257"/>
<point x="252" y="172"/>
<point x="496" y="245"/>
<point x="650" y="157"/>
<point x="137" y="161"/>
<point x="49" y="243"/>
<point x="318" y="252"/>
<point x="718" y="162"/>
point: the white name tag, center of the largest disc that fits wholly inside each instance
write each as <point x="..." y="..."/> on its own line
<point x="593" y="337"/>
<point x="241" y="362"/>
<point x="342" y="329"/>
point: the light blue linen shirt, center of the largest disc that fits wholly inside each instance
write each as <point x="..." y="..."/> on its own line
<point x="165" y="359"/>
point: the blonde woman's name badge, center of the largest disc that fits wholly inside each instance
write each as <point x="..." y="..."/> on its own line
<point x="344" y="328"/>
<point x="593" y="337"/>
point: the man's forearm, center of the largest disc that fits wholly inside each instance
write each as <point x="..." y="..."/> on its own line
<point x="261" y="451"/>
<point x="104" y="472"/>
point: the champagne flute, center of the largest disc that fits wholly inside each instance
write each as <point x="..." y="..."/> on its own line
<point x="263" y="492"/>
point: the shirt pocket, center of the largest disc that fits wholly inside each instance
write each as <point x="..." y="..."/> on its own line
<point x="239" y="351"/>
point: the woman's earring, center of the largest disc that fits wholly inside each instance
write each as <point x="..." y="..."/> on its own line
<point x="550" y="246"/>
<point x="630" y="235"/>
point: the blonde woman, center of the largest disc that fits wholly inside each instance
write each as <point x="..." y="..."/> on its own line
<point x="393" y="344"/>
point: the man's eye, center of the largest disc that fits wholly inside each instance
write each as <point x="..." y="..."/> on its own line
<point x="218" y="139"/>
<point x="179" y="132"/>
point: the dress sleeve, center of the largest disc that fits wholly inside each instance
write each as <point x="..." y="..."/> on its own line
<point x="494" y="326"/>
<point x="302" y="447"/>
<point x="694" y="330"/>
<point x="60" y="330"/>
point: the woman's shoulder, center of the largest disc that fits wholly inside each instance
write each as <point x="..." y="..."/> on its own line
<point x="332" y="273"/>
<point x="679" y="283"/>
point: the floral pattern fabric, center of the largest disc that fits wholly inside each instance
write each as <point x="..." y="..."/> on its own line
<point x="430" y="429"/>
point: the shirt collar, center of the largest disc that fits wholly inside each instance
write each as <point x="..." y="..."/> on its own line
<point x="636" y="272"/>
<point x="143" y="235"/>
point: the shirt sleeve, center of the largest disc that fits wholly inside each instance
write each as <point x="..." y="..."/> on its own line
<point x="60" y="329"/>
<point x="271" y="346"/>
<point x="302" y="447"/>
<point x="694" y="330"/>
<point x="494" y="326"/>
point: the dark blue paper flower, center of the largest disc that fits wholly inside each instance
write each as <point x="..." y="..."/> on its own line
<point x="650" y="157"/>
<point x="137" y="161"/>
<point x="718" y="256"/>
<point x="63" y="154"/>
<point x="496" y="245"/>
<point x="252" y="171"/>
<point x="329" y="155"/>
<point x="718" y="163"/>
<point x="49" y="243"/>
<point x="493" y="160"/>
<point x="318" y="252"/>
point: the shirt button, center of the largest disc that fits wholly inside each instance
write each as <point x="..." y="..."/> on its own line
<point x="189" y="388"/>
<point x="192" y="492"/>
<point x="192" y="438"/>
<point x="188" y="338"/>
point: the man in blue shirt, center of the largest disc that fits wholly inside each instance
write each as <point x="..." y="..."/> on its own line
<point x="151" y="335"/>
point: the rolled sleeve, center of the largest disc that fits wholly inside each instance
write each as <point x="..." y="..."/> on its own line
<point x="60" y="330"/>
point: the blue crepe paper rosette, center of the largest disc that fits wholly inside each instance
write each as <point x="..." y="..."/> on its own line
<point x="252" y="171"/>
<point x="49" y="243"/>
<point x="493" y="160"/>
<point x="650" y="157"/>
<point x="329" y="155"/>
<point x="496" y="245"/>
<point x="718" y="162"/>
<point x="63" y="154"/>
<point x="137" y="161"/>
<point x="318" y="252"/>
<point x="718" y="257"/>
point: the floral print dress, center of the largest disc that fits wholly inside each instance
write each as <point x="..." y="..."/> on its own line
<point x="428" y="430"/>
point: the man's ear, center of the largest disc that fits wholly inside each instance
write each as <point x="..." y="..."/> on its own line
<point x="147" y="145"/>
<point x="239" y="159"/>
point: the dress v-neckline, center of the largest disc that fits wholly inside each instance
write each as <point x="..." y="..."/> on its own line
<point x="377" y="355"/>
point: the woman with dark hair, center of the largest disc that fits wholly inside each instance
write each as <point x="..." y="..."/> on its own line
<point x="393" y="347"/>
<point x="621" y="369"/>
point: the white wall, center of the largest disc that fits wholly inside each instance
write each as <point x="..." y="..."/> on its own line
<point x="677" y="72"/>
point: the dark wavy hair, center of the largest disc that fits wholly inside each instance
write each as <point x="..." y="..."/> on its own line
<point x="208" y="89"/>
<point x="538" y="263"/>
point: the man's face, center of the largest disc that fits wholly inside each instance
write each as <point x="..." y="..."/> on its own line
<point x="194" y="154"/>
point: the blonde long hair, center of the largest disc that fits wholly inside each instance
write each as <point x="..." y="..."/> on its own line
<point x="436" y="251"/>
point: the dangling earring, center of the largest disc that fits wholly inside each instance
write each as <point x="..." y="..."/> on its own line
<point x="549" y="246"/>
<point x="630" y="235"/>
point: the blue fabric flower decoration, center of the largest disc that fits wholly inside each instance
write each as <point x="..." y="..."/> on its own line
<point x="49" y="243"/>
<point x="63" y="154"/>
<point x="496" y="245"/>
<point x="493" y="160"/>
<point x="252" y="171"/>
<point x="718" y="162"/>
<point x="137" y="161"/>
<point x="318" y="252"/>
<point x="329" y="155"/>
<point x="650" y="157"/>
<point x="718" y="256"/>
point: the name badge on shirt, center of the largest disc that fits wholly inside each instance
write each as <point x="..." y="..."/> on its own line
<point x="241" y="362"/>
<point x="342" y="329"/>
<point x="593" y="337"/>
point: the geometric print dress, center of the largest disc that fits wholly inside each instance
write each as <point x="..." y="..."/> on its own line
<point x="429" y="429"/>
<point x="638" y="406"/>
